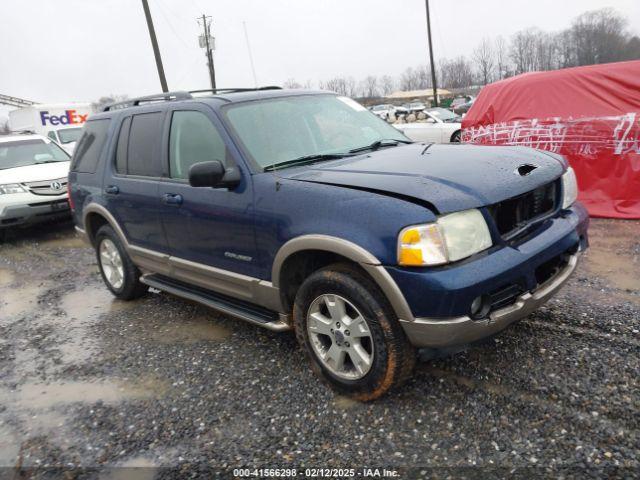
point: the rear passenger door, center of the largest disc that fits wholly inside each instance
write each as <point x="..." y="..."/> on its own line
<point x="208" y="226"/>
<point x="131" y="183"/>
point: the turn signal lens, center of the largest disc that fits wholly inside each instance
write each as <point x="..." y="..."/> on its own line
<point x="453" y="237"/>
<point x="421" y="245"/>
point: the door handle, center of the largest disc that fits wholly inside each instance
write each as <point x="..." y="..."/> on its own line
<point x="112" y="190"/>
<point x="172" y="199"/>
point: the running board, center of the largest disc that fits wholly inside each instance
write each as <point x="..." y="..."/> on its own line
<point x="245" y="311"/>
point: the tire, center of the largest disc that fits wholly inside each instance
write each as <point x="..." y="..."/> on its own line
<point x="455" y="138"/>
<point x="391" y="356"/>
<point x="130" y="287"/>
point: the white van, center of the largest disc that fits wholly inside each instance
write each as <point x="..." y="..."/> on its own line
<point x="61" y="123"/>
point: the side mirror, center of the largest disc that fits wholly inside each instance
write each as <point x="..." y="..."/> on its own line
<point x="213" y="174"/>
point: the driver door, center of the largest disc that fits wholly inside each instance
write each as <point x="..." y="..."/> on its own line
<point x="210" y="227"/>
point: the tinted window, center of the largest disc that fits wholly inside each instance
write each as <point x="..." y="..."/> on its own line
<point x="193" y="139"/>
<point x="87" y="152"/>
<point x="145" y="137"/>
<point x="123" y="142"/>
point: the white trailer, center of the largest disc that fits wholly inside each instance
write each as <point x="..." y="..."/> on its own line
<point x="62" y="123"/>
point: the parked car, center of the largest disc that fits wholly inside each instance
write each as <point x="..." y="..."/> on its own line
<point x="33" y="180"/>
<point x="384" y="111"/>
<point x="440" y="126"/>
<point x="458" y="101"/>
<point x="463" y="108"/>
<point x="295" y="209"/>
<point x="414" y="107"/>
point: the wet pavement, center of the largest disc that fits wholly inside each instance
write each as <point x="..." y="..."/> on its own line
<point x="90" y="382"/>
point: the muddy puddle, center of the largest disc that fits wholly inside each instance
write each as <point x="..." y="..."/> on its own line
<point x="198" y="329"/>
<point x="91" y="302"/>
<point x="43" y="396"/>
<point x="18" y="300"/>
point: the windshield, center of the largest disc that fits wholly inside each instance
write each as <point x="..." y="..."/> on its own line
<point x="68" y="135"/>
<point x="282" y="129"/>
<point x="443" y="114"/>
<point x="21" y="153"/>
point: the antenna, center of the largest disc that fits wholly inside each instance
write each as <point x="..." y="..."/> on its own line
<point x="253" y="69"/>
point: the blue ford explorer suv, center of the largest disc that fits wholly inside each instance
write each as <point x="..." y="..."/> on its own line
<point x="302" y="210"/>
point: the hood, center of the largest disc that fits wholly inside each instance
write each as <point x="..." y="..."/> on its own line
<point x="449" y="177"/>
<point x="35" y="173"/>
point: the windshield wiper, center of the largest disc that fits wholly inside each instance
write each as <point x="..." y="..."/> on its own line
<point x="385" y="142"/>
<point x="305" y="160"/>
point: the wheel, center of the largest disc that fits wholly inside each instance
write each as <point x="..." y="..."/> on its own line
<point x="120" y="275"/>
<point x="350" y="334"/>
<point x="455" y="138"/>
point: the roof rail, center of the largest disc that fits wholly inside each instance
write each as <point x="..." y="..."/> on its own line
<point x="233" y="89"/>
<point x="179" y="95"/>
<point x="160" y="97"/>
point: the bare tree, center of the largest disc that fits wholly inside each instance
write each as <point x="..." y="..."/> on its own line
<point x="483" y="57"/>
<point x="370" y="88"/>
<point x="4" y="126"/>
<point x="291" y="83"/>
<point x="345" y="86"/>
<point x="523" y="50"/>
<point x="106" y="100"/>
<point x="599" y="36"/>
<point x="423" y="77"/>
<point x="456" y="73"/>
<point x="409" y="79"/>
<point x="387" y="85"/>
<point x="501" y="48"/>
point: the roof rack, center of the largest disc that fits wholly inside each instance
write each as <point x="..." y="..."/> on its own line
<point x="161" y="97"/>
<point x="179" y="95"/>
<point x="233" y="89"/>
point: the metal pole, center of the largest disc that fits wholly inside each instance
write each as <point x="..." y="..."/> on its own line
<point x="433" y="66"/>
<point x="212" y="71"/>
<point x="154" y="44"/>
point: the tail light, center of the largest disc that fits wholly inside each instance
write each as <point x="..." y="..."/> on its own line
<point x="71" y="205"/>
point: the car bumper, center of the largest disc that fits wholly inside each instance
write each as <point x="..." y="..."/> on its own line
<point x="439" y="333"/>
<point x="38" y="211"/>
<point x="512" y="280"/>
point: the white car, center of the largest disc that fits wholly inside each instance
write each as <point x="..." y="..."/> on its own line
<point x="33" y="180"/>
<point x="440" y="126"/>
<point x="384" y="111"/>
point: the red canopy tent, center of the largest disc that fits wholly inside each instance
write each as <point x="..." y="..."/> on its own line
<point x="589" y="114"/>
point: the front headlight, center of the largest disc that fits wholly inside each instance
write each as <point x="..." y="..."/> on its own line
<point x="569" y="187"/>
<point x="452" y="237"/>
<point x="11" y="188"/>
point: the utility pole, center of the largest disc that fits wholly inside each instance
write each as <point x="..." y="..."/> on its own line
<point x="433" y="66"/>
<point x="208" y="42"/>
<point x="154" y="44"/>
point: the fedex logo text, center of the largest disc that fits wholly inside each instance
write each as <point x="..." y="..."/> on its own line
<point x="70" y="117"/>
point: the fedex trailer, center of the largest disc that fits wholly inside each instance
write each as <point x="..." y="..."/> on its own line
<point x="61" y="123"/>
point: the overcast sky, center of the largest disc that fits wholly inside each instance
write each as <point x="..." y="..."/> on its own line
<point x="79" y="50"/>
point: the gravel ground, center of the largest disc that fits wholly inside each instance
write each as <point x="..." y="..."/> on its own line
<point x="89" y="383"/>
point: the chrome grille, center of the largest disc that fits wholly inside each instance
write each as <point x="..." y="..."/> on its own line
<point x="56" y="186"/>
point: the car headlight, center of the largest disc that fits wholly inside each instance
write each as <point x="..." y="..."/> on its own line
<point x="569" y="187"/>
<point x="452" y="237"/>
<point x="8" y="188"/>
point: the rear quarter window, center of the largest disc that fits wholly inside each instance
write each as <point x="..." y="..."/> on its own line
<point x="87" y="152"/>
